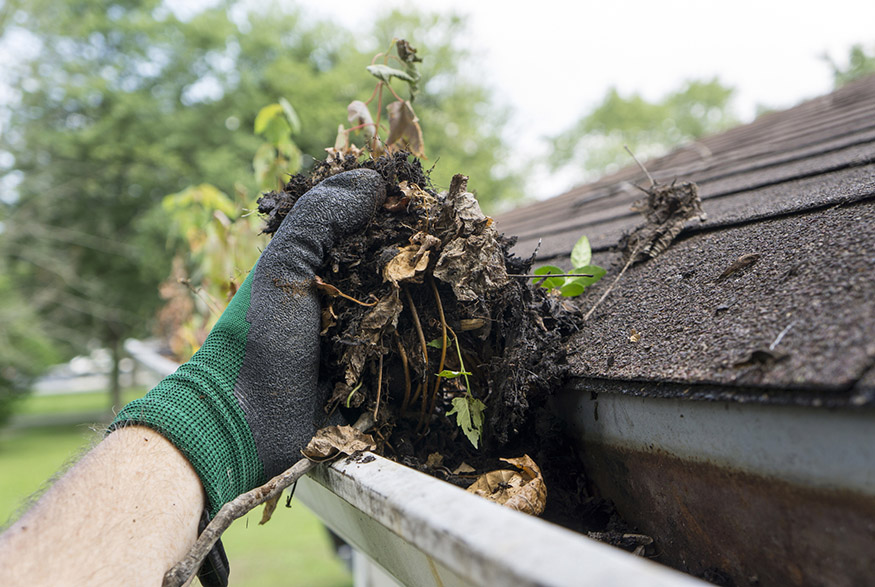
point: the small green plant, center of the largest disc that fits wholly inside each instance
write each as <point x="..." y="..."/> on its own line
<point x="467" y="408"/>
<point x="571" y="283"/>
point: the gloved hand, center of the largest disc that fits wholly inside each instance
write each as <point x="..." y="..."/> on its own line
<point x="246" y="403"/>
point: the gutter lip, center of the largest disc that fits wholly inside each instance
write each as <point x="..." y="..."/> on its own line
<point x="472" y="537"/>
<point x="852" y="396"/>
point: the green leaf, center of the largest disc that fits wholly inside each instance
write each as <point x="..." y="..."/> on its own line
<point x="437" y="343"/>
<point x="447" y="374"/>
<point x="469" y="417"/>
<point x="265" y="115"/>
<point x="291" y="116"/>
<point x="594" y="270"/>
<point x="581" y="254"/>
<point x="385" y="73"/>
<point x="550" y="282"/>
<point x="571" y="289"/>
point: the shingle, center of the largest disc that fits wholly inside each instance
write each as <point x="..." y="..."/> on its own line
<point x="795" y="187"/>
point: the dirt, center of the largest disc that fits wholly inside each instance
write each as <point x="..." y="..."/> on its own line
<point x="437" y="260"/>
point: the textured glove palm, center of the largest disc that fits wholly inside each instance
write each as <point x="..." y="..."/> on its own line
<point x="247" y="402"/>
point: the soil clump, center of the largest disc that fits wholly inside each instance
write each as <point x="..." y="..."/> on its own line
<point x="430" y="287"/>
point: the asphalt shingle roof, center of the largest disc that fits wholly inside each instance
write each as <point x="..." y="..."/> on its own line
<point x="796" y="188"/>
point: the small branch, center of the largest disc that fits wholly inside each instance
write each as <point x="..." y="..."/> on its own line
<point x="613" y="283"/>
<point x="237" y="508"/>
<point x="418" y="326"/>
<point x="403" y="355"/>
<point x="379" y="386"/>
<point x="644" y="169"/>
<point x="437" y="381"/>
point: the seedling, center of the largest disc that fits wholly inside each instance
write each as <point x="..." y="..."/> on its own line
<point x="467" y="408"/>
<point x="574" y="284"/>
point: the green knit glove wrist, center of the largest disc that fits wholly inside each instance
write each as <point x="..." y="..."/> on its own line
<point x="248" y="401"/>
<point x="195" y="409"/>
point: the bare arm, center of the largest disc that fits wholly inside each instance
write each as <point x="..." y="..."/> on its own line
<point x="122" y="515"/>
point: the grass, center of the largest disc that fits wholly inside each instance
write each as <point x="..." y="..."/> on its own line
<point x="67" y="403"/>
<point x="292" y="549"/>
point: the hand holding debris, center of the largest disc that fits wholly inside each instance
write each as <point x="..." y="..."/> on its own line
<point x="248" y="401"/>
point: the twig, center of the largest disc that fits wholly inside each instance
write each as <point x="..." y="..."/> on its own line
<point x="418" y="327"/>
<point x="379" y="386"/>
<point x="403" y="355"/>
<point x="237" y="508"/>
<point x="644" y="169"/>
<point x="437" y="381"/>
<point x="613" y="283"/>
<point x="781" y="336"/>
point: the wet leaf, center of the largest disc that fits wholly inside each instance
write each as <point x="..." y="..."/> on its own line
<point x="581" y="253"/>
<point x="469" y="417"/>
<point x="404" y="127"/>
<point x="473" y="266"/>
<point x="332" y="441"/>
<point x="523" y="490"/>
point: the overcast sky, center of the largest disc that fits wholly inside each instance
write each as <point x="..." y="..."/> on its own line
<point x="553" y="60"/>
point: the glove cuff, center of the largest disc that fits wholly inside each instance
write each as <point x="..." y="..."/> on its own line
<point x="196" y="410"/>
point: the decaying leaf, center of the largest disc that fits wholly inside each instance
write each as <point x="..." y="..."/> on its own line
<point x="523" y="489"/>
<point x="359" y="115"/>
<point x="383" y="316"/>
<point x="404" y="127"/>
<point x="434" y="460"/>
<point x="634" y="336"/>
<point x="463" y="469"/>
<point x="331" y="441"/>
<point x="666" y="209"/>
<point x="738" y="265"/>
<point x="405" y="266"/>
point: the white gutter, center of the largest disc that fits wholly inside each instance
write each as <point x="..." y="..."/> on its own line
<point x="423" y="531"/>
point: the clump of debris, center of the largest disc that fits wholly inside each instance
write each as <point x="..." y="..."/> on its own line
<point x="430" y="324"/>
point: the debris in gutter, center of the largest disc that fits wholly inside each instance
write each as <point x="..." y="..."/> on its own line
<point x="522" y="489"/>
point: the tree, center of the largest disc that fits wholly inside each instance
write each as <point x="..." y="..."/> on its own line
<point x="596" y="142"/>
<point x="122" y="103"/>
<point x="860" y="64"/>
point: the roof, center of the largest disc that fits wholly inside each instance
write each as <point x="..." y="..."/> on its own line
<point x="797" y="189"/>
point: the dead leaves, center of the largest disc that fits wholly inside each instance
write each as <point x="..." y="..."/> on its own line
<point x="523" y="489"/>
<point x="404" y="128"/>
<point x="332" y="441"/>
<point x="666" y="210"/>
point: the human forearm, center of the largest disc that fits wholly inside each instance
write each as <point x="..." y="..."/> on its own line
<point x="122" y="515"/>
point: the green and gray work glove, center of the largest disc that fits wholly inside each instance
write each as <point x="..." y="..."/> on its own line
<point x="247" y="402"/>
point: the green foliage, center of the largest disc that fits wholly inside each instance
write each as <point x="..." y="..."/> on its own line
<point x="570" y="286"/>
<point x="596" y="142"/>
<point x="860" y="64"/>
<point x="469" y="417"/>
<point x="120" y="104"/>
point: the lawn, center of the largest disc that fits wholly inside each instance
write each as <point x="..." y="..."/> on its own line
<point x="293" y="549"/>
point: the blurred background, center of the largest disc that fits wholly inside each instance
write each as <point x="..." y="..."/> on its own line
<point x="136" y="137"/>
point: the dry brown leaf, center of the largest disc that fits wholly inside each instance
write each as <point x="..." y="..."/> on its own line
<point x="634" y="336"/>
<point x="405" y="266"/>
<point x="331" y="441"/>
<point x="434" y="460"/>
<point x="269" y="508"/>
<point x="522" y="490"/>
<point x="463" y="469"/>
<point x="404" y="127"/>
